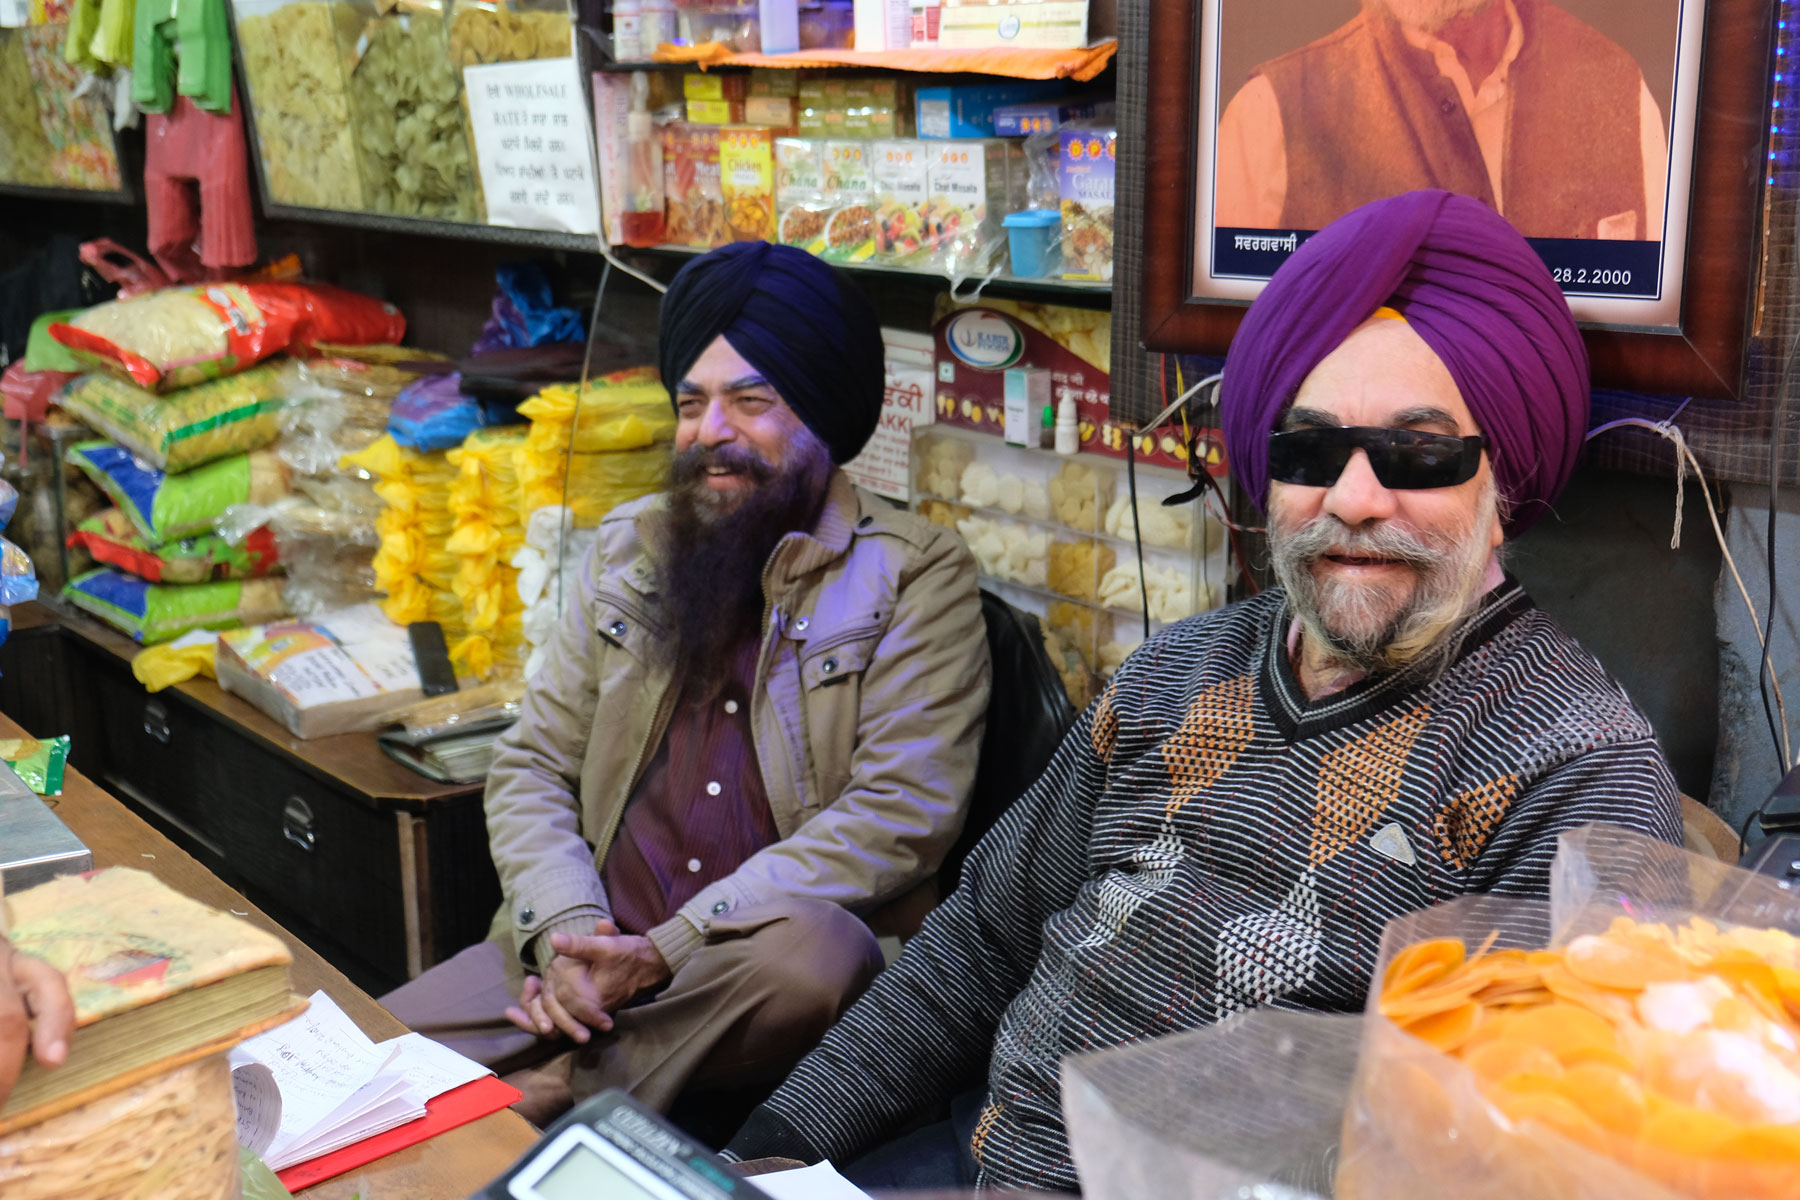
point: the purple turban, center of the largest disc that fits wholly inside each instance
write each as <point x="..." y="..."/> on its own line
<point x="1471" y="287"/>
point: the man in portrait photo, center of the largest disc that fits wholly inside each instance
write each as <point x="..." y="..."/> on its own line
<point x="1517" y="103"/>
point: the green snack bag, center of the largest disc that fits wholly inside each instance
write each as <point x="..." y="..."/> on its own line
<point x="166" y="508"/>
<point x="37" y="763"/>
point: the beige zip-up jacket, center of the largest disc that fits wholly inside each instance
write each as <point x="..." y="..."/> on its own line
<point x="871" y="693"/>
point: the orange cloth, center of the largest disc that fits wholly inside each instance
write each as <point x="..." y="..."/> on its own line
<point x="1080" y="65"/>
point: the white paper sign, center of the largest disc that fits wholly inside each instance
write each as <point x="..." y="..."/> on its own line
<point x="885" y="464"/>
<point x="532" y="145"/>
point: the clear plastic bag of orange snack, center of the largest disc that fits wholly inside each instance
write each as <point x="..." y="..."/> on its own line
<point x="1636" y="1036"/>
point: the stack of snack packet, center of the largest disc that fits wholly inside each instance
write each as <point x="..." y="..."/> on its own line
<point x="414" y="568"/>
<point x="596" y="453"/>
<point x="486" y="505"/>
<point x="171" y="465"/>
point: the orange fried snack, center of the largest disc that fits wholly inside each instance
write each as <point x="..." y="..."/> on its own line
<point x="1672" y="1050"/>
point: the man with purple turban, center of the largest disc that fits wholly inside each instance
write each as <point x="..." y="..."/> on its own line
<point x="1264" y="787"/>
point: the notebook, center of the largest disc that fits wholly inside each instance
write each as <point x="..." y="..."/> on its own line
<point x="158" y="980"/>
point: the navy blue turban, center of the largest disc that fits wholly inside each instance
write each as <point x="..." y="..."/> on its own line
<point x="1477" y="294"/>
<point x="803" y="325"/>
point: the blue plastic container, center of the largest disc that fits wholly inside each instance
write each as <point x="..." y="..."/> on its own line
<point x="1032" y="234"/>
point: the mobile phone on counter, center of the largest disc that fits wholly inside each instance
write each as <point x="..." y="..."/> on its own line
<point x="435" y="673"/>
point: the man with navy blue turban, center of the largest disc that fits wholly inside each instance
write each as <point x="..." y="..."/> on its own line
<point x="757" y="724"/>
<point x="1264" y="787"/>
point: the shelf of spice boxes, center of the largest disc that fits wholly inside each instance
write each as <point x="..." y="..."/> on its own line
<point x="1053" y="535"/>
<point x="836" y="165"/>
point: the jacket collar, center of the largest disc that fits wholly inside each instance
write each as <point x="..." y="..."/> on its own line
<point x="797" y="554"/>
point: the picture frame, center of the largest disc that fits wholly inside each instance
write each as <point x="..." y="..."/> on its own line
<point x="1689" y="338"/>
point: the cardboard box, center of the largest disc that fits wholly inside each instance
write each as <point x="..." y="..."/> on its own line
<point x="1022" y="120"/>
<point x="883" y="24"/>
<point x="715" y="112"/>
<point x="849" y="189"/>
<point x="706" y="197"/>
<point x="801" y="207"/>
<point x="747" y="182"/>
<point x="776" y="112"/>
<point x="1036" y="25"/>
<point x="899" y="173"/>
<point x="1026" y="395"/>
<point x="968" y="111"/>
<point x="714" y="85"/>
<point x="1086" y="161"/>
<point x="773" y="81"/>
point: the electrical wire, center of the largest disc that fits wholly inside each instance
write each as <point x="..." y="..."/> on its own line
<point x="587" y="362"/>
<point x="1765" y="671"/>
<point x="1684" y="460"/>
<point x="1137" y="531"/>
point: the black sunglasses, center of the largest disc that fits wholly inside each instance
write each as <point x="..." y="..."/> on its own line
<point x="1403" y="459"/>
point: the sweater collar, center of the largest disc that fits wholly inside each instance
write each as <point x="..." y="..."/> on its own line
<point x="1299" y="717"/>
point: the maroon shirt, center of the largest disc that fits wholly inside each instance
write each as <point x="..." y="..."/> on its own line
<point x="699" y="811"/>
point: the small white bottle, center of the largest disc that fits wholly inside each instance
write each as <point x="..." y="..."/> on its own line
<point x="1068" y="435"/>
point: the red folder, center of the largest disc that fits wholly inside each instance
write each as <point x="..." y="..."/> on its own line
<point x="458" y="1106"/>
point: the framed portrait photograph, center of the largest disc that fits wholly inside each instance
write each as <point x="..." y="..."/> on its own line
<point x="1621" y="137"/>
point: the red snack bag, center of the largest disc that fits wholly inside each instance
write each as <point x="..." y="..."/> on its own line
<point x="182" y="336"/>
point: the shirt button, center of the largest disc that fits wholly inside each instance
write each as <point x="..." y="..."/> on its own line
<point x="720" y="907"/>
<point x="731" y="706"/>
<point x="829" y="666"/>
<point x="694" y="865"/>
<point x="527" y="915"/>
<point x="800" y="625"/>
<point x="713" y="789"/>
<point x="617" y="629"/>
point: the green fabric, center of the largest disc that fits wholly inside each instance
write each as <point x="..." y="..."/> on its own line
<point x="84" y="19"/>
<point x="204" y="50"/>
<point x="45" y="353"/>
<point x="167" y="610"/>
<point x="153" y="56"/>
<point x="113" y="40"/>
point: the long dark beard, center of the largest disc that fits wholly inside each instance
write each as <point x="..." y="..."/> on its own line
<point x="712" y="583"/>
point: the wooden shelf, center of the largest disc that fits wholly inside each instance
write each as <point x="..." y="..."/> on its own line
<point x="1059" y="289"/>
<point x="1080" y="65"/>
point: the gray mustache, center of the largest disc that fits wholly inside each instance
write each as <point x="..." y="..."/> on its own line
<point x="1328" y="535"/>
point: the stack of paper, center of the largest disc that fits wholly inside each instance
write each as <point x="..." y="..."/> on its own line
<point x="318" y="1084"/>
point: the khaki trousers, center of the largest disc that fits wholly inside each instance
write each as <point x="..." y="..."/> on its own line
<point x="760" y="993"/>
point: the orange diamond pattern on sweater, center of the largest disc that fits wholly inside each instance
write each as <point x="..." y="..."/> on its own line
<point x="1465" y="824"/>
<point x="1105" y="730"/>
<point x="1218" y="725"/>
<point x="984" y="1125"/>
<point x="1358" y="781"/>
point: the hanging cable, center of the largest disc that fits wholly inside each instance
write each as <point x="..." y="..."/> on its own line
<point x="1137" y="531"/>
<point x="587" y="361"/>
<point x="1684" y="459"/>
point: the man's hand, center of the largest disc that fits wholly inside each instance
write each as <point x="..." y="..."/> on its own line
<point x="35" y="1009"/>
<point x="588" y="980"/>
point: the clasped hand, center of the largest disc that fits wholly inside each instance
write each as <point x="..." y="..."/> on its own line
<point x="589" y="979"/>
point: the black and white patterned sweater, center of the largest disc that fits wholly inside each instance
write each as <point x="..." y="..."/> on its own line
<point x="1205" y="841"/>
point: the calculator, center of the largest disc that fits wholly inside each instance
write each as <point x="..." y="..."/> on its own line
<point x="610" y="1147"/>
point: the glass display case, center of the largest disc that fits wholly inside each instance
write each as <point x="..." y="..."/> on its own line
<point x="1054" y="536"/>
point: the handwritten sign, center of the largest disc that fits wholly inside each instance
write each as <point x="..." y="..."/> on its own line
<point x="532" y="144"/>
<point x="884" y="466"/>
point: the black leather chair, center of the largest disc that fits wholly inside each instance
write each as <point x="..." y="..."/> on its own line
<point x="1028" y="715"/>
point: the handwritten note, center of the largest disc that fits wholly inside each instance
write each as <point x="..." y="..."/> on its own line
<point x="532" y="144"/>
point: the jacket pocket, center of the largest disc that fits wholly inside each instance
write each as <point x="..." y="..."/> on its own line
<point x="623" y="623"/>
<point x="831" y="674"/>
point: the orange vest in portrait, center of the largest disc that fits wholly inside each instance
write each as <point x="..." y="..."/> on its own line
<point x="1366" y="115"/>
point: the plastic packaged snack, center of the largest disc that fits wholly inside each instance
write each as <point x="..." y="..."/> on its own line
<point x="37" y="762"/>
<point x="747" y="182"/>
<point x="297" y="61"/>
<point x="406" y="97"/>
<point x="187" y="428"/>
<point x="78" y="128"/>
<point x="166" y="508"/>
<point x="24" y="150"/>
<point x="156" y="612"/>
<point x="165" y="665"/>
<point x="801" y="206"/>
<point x="112" y="539"/>
<point x="18" y="579"/>
<point x="900" y="181"/>
<point x="178" y="337"/>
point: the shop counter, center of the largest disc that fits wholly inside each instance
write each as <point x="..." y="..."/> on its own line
<point x="381" y="869"/>
<point x="449" y="1166"/>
